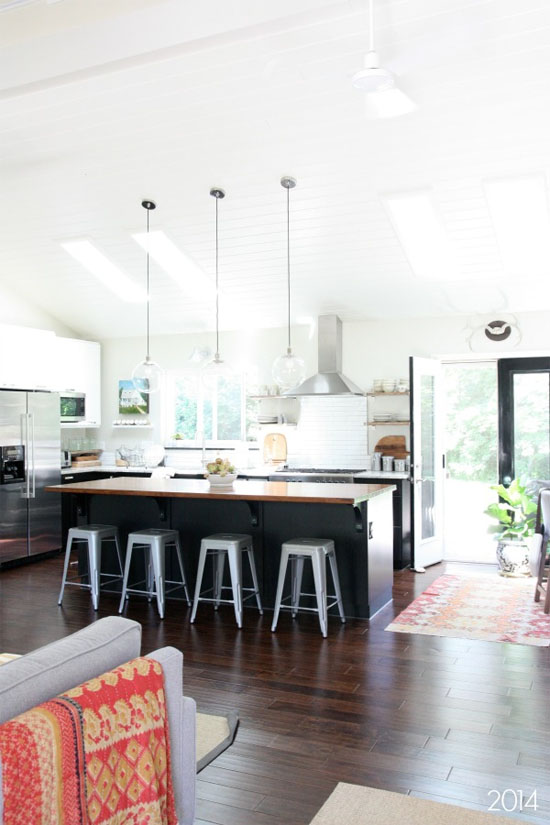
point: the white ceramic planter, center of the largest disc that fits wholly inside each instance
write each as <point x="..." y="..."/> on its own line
<point x="513" y="558"/>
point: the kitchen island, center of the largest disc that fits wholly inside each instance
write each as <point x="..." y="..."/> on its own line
<point x="357" y="516"/>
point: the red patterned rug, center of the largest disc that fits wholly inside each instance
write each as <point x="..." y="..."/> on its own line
<point x="489" y="608"/>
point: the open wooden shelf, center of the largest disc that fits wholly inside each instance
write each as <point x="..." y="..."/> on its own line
<point x="372" y="394"/>
<point x="387" y="423"/>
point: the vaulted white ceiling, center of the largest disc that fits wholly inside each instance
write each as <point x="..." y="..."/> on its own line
<point x="105" y="103"/>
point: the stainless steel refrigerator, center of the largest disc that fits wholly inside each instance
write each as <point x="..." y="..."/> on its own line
<point x="30" y="519"/>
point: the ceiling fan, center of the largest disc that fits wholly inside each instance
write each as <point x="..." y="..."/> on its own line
<point x="382" y="96"/>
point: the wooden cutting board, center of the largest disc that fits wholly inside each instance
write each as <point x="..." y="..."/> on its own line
<point x="275" y="451"/>
<point x="395" y="445"/>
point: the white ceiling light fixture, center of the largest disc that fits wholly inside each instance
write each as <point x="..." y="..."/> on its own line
<point x="521" y="219"/>
<point x="217" y="367"/>
<point x="288" y="370"/>
<point x="147" y="375"/>
<point x="181" y="268"/>
<point x="104" y="270"/>
<point x="382" y="97"/>
<point x="422" y="235"/>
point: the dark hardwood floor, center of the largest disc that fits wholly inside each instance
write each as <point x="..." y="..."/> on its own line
<point x="445" y="719"/>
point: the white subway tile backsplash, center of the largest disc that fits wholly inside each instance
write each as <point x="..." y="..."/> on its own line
<point x="331" y="432"/>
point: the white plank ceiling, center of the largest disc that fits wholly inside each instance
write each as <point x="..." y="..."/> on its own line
<point x="105" y="103"/>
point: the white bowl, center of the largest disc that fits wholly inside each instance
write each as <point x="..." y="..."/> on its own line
<point x="153" y="454"/>
<point x="217" y="480"/>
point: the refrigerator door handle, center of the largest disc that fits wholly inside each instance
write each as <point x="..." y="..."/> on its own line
<point x="33" y="470"/>
<point x="26" y="491"/>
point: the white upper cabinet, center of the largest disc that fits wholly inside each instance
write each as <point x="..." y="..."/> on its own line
<point x="27" y="358"/>
<point x="79" y="370"/>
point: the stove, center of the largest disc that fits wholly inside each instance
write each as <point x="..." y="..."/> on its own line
<point x="315" y="474"/>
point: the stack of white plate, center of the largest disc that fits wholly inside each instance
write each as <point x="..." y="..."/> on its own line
<point x="267" y="419"/>
<point x="382" y="417"/>
<point x="388" y="385"/>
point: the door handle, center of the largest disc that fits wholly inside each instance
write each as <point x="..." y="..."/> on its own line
<point x="24" y="418"/>
<point x="33" y="493"/>
<point x="370" y="530"/>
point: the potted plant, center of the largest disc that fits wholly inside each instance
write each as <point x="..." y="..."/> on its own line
<point x="515" y="513"/>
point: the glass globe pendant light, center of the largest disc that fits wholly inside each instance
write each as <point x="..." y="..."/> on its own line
<point x="288" y="370"/>
<point x="217" y="366"/>
<point x="147" y="375"/>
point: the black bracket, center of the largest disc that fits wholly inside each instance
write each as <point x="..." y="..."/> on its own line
<point x="359" y="525"/>
<point x="254" y="512"/>
<point x="162" y="504"/>
<point x="82" y="505"/>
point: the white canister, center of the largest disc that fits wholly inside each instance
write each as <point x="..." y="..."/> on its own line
<point x="399" y="465"/>
<point x="376" y="462"/>
<point x="387" y="463"/>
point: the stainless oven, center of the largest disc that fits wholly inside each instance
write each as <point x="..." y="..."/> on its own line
<point x="72" y="407"/>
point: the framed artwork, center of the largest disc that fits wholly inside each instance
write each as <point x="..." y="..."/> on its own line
<point x="130" y="400"/>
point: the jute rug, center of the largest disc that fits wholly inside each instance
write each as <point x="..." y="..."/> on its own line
<point x="213" y="733"/>
<point x="356" y="805"/>
<point x="489" y="608"/>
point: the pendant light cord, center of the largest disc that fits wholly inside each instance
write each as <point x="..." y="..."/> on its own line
<point x="288" y="260"/>
<point x="148" y="301"/>
<point x="371" y="25"/>
<point x="217" y="288"/>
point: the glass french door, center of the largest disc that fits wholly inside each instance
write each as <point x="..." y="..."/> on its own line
<point x="427" y="462"/>
<point x="524" y="419"/>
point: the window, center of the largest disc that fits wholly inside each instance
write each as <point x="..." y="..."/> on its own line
<point x="215" y="409"/>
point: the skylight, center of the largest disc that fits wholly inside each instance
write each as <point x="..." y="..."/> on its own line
<point x="422" y="234"/>
<point x="519" y="210"/>
<point x="183" y="269"/>
<point x="105" y="271"/>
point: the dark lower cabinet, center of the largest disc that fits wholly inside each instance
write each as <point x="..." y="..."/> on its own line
<point x="401" y="519"/>
<point x="68" y="503"/>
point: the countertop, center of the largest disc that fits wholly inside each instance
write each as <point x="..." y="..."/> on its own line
<point x="114" y="468"/>
<point x="380" y="474"/>
<point x="273" y="491"/>
<point x="251" y="472"/>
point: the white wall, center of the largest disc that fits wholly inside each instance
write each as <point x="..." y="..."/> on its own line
<point x="371" y="349"/>
<point x="18" y="311"/>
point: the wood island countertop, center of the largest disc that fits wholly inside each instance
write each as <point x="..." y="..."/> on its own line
<point x="272" y="491"/>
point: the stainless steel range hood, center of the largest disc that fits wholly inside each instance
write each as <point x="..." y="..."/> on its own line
<point x="329" y="379"/>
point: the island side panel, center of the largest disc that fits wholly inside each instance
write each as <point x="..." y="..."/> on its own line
<point x="380" y="553"/>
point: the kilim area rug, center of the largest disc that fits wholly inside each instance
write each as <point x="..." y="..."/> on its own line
<point x="488" y="608"/>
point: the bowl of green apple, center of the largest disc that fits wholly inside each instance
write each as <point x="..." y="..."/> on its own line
<point x="220" y="473"/>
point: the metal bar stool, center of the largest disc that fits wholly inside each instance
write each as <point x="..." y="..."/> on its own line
<point x="318" y="550"/>
<point x="94" y="535"/>
<point x="156" y="542"/>
<point x="218" y="546"/>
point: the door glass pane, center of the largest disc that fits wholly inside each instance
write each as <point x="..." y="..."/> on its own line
<point x="471" y="447"/>
<point x="531" y="430"/>
<point x="427" y="388"/>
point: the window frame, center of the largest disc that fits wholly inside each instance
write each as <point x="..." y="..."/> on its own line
<point x="171" y="378"/>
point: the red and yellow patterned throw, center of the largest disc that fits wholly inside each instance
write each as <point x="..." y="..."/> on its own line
<point x="96" y="755"/>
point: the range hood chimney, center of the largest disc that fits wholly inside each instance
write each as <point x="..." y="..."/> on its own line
<point x="329" y="379"/>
